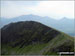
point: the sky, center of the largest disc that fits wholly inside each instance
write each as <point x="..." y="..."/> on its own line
<point x="53" y="9"/>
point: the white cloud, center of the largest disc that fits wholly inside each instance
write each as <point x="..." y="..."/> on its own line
<point x="12" y="10"/>
<point x="54" y="9"/>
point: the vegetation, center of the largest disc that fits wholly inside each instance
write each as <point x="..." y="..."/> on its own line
<point x="34" y="38"/>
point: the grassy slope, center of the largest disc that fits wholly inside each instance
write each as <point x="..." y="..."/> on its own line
<point x="58" y="41"/>
<point x="39" y="48"/>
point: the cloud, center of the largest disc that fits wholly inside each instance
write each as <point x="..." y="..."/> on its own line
<point x="11" y="9"/>
<point x="54" y="9"/>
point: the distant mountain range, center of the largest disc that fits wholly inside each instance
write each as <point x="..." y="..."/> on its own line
<point x="65" y="25"/>
<point x="34" y="38"/>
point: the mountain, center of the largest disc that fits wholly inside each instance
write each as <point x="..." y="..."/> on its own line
<point x="33" y="38"/>
<point x="65" y="24"/>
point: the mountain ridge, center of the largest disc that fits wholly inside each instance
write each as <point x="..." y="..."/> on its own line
<point x="66" y="26"/>
<point x="30" y="37"/>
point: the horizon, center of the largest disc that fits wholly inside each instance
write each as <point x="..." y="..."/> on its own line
<point x="52" y="9"/>
<point x="39" y="16"/>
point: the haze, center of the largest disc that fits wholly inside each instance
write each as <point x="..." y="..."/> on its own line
<point x="53" y="9"/>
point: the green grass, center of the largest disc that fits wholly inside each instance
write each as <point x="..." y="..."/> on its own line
<point x="35" y="49"/>
<point x="30" y="49"/>
<point x="56" y="42"/>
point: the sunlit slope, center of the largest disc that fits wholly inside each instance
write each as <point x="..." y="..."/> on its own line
<point x="34" y="38"/>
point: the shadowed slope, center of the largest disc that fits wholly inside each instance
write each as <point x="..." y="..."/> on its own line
<point x="31" y="37"/>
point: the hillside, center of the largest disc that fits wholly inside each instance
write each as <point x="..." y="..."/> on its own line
<point x="29" y="37"/>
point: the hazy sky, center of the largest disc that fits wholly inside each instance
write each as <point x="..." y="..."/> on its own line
<point x="54" y="9"/>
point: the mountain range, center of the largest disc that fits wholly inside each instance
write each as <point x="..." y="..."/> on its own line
<point x="34" y="38"/>
<point x="65" y="25"/>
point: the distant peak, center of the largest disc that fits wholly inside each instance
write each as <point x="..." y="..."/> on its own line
<point x="46" y="17"/>
<point x="64" y="18"/>
<point x="27" y="15"/>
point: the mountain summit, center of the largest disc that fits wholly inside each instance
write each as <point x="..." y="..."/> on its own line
<point x="30" y="37"/>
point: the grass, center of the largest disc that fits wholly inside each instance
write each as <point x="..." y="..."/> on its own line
<point x="56" y="42"/>
<point x="37" y="49"/>
<point x="30" y="49"/>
